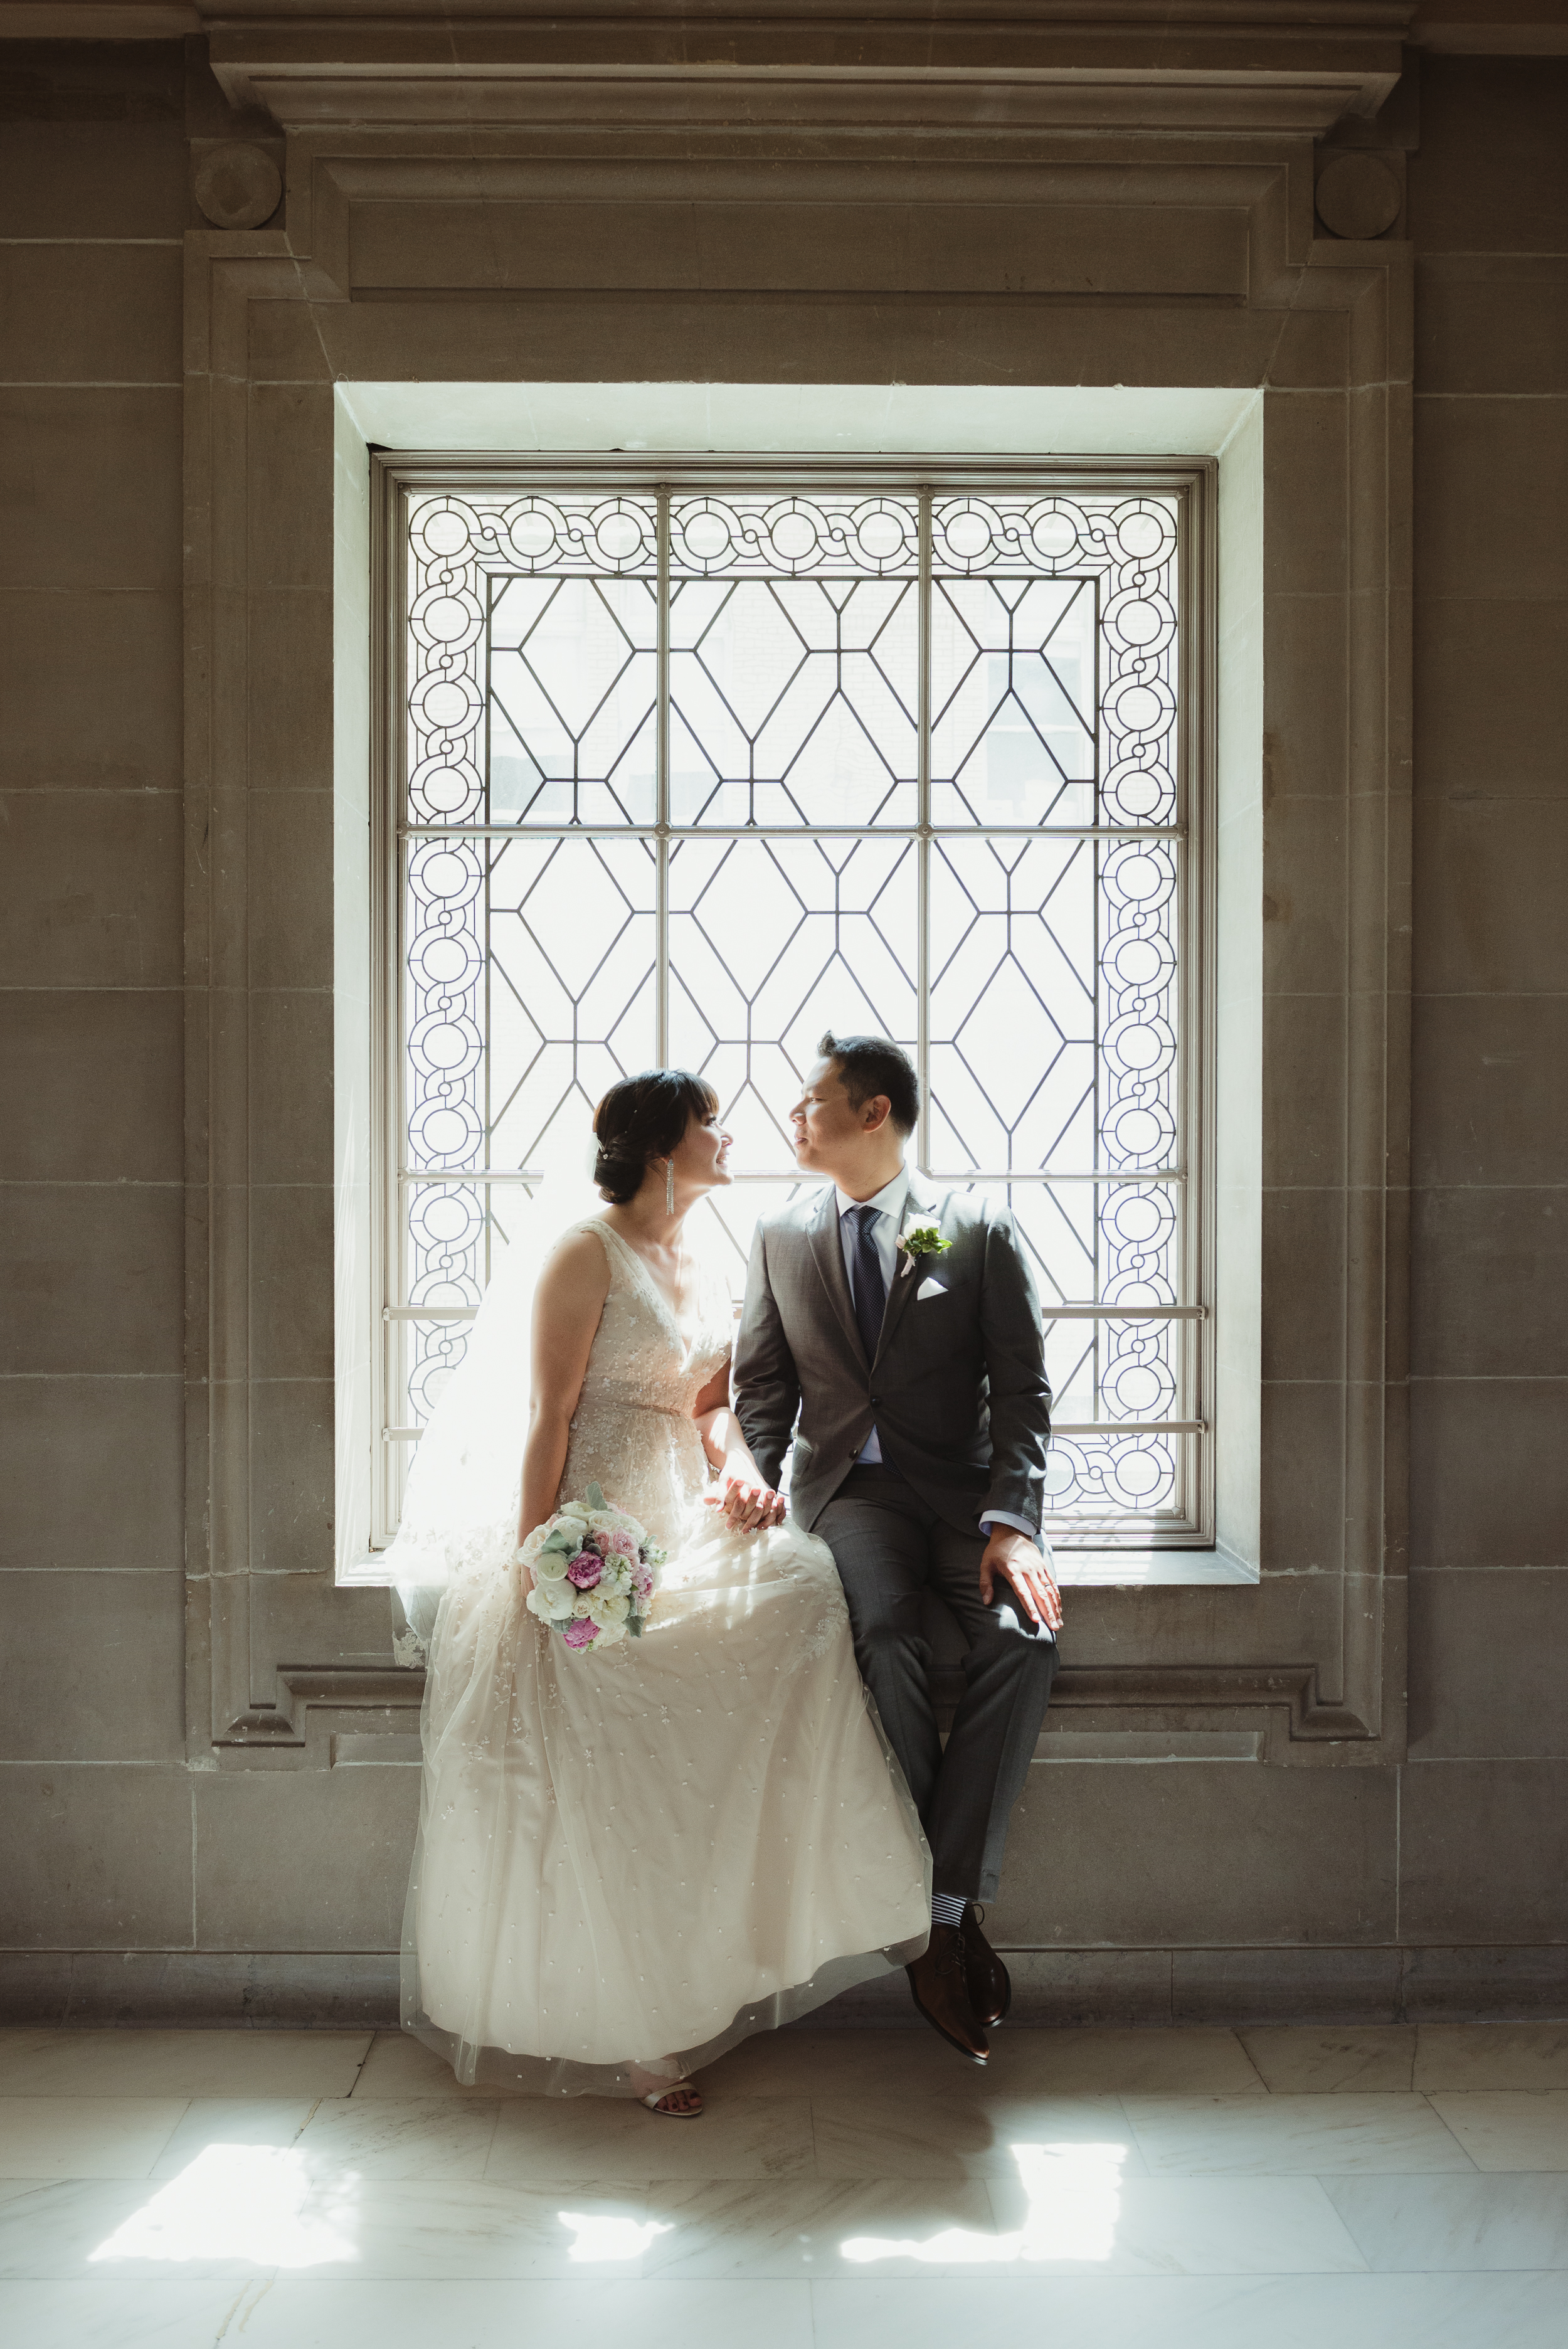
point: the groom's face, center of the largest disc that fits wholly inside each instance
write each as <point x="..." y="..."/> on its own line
<point x="829" y="1131"/>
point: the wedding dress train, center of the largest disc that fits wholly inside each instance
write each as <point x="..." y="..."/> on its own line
<point x="652" y="1849"/>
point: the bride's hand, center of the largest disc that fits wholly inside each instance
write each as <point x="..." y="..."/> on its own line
<point x="748" y="1504"/>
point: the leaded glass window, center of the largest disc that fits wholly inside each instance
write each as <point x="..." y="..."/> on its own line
<point x="686" y="769"/>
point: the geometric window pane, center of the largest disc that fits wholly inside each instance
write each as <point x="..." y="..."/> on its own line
<point x="794" y="660"/>
<point x="1104" y="1478"/>
<point x="428" y="1352"/>
<point x="794" y="701"/>
<point x="1138" y="1370"/>
<point x="792" y="536"/>
<point x="457" y="548"/>
<point x="1013" y="701"/>
<point x="432" y="1351"/>
<point x="573" y="691"/>
<point x="1012" y="1063"/>
<point x="1091" y="1244"/>
<point x="1139" y="1240"/>
<point x="1114" y="1371"/>
<point x="1137" y="908"/>
<point x="443" y="1040"/>
<point x="1045" y="608"/>
<point x="772" y="942"/>
<point x="573" y="960"/>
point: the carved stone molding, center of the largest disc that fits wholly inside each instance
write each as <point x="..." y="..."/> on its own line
<point x="1199" y="65"/>
<point x="1358" y="195"/>
<point x="665" y="220"/>
<point x="367" y="286"/>
<point x="314" y="1709"/>
<point x="236" y="186"/>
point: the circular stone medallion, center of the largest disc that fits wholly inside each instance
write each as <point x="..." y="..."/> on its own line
<point x="237" y="187"/>
<point x="1358" y="196"/>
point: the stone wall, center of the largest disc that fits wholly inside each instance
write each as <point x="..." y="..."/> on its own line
<point x="93" y="206"/>
<point x="1483" y="1824"/>
<point x="141" y="1875"/>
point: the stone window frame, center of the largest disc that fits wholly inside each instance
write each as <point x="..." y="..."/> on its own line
<point x="1192" y="484"/>
<point x="1311" y="1657"/>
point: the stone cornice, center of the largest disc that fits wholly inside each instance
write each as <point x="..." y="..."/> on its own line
<point x="1467" y="27"/>
<point x="1225" y="66"/>
<point x="1207" y="67"/>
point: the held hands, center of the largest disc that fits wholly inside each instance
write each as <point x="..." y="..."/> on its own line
<point x="747" y="1504"/>
<point x="1013" y="1556"/>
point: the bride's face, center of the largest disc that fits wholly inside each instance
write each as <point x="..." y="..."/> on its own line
<point x="702" y="1156"/>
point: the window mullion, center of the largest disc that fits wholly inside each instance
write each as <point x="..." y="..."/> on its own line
<point x="662" y="785"/>
<point x="922" y="843"/>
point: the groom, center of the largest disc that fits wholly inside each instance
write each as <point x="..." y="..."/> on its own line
<point x="917" y="1373"/>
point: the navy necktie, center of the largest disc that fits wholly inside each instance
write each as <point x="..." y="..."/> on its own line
<point x="871" y="1288"/>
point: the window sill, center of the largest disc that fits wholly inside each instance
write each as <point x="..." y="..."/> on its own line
<point x="1075" y="1569"/>
<point x="1148" y="1568"/>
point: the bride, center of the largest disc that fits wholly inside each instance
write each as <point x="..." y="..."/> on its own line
<point x="631" y="1856"/>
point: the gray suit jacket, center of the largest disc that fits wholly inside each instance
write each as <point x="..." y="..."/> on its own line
<point x="957" y="1391"/>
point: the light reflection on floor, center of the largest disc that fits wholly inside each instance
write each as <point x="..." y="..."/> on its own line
<point x="248" y="2202"/>
<point x="1075" y="2200"/>
<point x="603" y="2236"/>
<point x="232" y="2202"/>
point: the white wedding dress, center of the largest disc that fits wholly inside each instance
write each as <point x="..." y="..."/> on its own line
<point x="649" y="1850"/>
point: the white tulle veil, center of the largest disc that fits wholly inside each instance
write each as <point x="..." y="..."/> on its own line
<point x="461" y="1505"/>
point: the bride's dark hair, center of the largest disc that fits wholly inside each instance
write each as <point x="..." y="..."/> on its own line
<point x="642" y="1118"/>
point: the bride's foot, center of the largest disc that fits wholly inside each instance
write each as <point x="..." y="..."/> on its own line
<point x="680" y="2102"/>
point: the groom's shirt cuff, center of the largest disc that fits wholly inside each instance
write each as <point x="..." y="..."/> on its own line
<point x="1005" y="1518"/>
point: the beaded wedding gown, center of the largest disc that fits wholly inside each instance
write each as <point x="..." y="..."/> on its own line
<point x="649" y="1850"/>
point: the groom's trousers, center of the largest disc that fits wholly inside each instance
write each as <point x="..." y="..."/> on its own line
<point x="890" y="1547"/>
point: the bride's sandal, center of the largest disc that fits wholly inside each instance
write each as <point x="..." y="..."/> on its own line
<point x="678" y="2103"/>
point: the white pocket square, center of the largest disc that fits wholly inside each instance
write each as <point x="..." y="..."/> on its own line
<point x="930" y="1288"/>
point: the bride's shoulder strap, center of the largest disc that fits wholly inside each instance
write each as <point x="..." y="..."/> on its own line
<point x="580" y="1229"/>
<point x="615" y="1247"/>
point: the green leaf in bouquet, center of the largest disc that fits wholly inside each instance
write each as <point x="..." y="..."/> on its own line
<point x="595" y="1496"/>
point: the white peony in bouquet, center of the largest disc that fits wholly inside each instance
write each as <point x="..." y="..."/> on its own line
<point x="594" y="1572"/>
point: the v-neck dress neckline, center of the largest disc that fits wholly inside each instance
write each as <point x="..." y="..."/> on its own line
<point x="661" y="1302"/>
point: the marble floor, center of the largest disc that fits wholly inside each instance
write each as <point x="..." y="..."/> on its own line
<point x="1372" y="2188"/>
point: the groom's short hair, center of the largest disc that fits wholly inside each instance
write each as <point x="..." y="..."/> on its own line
<point x="868" y="1065"/>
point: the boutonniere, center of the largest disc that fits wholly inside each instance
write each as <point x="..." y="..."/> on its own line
<point x="920" y="1239"/>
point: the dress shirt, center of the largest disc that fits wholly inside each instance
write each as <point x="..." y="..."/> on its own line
<point x="889" y="1203"/>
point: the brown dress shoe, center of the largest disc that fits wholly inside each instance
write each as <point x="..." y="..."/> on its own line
<point x="990" y="1984"/>
<point x="936" y="1980"/>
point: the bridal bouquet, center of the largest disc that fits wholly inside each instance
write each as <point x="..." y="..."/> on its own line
<point x="594" y="1572"/>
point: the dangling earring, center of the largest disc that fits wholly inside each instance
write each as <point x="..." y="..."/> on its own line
<point x="669" y="1186"/>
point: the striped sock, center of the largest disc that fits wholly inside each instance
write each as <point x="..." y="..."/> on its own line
<point x="947" y="1907"/>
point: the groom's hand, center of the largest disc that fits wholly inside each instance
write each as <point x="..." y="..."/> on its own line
<point x="1013" y="1556"/>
